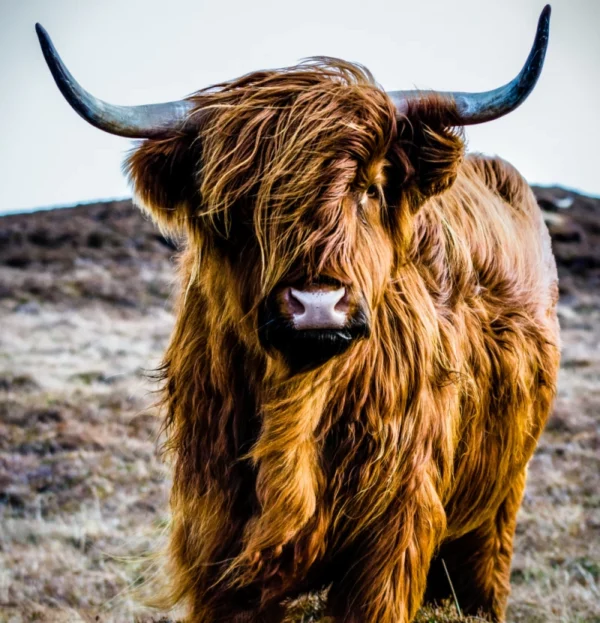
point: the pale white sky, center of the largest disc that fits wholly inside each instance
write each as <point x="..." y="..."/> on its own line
<point x="143" y="51"/>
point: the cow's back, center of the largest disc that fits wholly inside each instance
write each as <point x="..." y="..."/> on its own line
<point x="496" y="300"/>
<point x="496" y="243"/>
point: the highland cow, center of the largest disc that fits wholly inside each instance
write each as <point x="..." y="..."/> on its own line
<point x="366" y="344"/>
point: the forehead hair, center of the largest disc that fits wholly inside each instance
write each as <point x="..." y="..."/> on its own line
<point x="288" y="140"/>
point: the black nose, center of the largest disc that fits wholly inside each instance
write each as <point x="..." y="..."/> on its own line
<point x="305" y="345"/>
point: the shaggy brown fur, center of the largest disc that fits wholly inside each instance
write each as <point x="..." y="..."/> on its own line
<point x="410" y="447"/>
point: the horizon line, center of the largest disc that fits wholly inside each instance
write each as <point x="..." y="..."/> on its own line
<point x="84" y="202"/>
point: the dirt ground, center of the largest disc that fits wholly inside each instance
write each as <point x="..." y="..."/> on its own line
<point x="85" y="314"/>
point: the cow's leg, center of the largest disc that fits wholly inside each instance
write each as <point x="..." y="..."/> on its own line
<point x="478" y="563"/>
<point x="383" y="576"/>
<point x="272" y="614"/>
<point x="233" y="610"/>
<point x="379" y="589"/>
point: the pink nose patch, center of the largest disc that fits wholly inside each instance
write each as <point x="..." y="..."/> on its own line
<point x="318" y="309"/>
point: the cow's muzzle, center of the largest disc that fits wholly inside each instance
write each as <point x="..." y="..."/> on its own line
<point x="308" y="324"/>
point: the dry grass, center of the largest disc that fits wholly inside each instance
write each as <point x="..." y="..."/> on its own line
<point x="84" y="496"/>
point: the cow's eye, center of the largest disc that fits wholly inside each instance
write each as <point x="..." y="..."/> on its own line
<point x="373" y="191"/>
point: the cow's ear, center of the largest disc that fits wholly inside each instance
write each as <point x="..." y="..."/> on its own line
<point x="432" y="151"/>
<point x="163" y="175"/>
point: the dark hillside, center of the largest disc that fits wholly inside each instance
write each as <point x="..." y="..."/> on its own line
<point x="108" y="251"/>
<point x="116" y="236"/>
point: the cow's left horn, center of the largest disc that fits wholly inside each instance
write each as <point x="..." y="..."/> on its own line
<point x="475" y="108"/>
<point x="153" y="121"/>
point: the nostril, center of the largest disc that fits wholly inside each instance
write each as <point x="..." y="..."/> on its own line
<point x="294" y="305"/>
<point x="343" y="305"/>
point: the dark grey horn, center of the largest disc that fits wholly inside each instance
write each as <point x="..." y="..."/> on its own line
<point x="475" y="108"/>
<point x="152" y="121"/>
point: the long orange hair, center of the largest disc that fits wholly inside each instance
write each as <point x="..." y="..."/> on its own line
<point x="418" y="434"/>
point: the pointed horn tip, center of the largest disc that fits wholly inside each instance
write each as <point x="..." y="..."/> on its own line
<point x="544" y="21"/>
<point x="41" y="32"/>
<point x="44" y="38"/>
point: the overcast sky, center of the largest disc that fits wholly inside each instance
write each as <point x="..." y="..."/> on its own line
<point x="142" y="51"/>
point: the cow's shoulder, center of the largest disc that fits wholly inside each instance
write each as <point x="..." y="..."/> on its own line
<point x="500" y="177"/>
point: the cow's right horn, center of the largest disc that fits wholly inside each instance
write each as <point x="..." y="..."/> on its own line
<point x="152" y="121"/>
<point x="472" y="108"/>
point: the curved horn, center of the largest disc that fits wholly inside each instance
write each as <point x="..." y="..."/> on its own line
<point x="153" y="121"/>
<point x="475" y="108"/>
